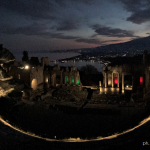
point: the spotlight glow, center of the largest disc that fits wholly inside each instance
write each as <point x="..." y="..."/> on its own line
<point x="26" y="67"/>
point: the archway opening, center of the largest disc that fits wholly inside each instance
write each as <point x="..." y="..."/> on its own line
<point x="115" y="80"/>
<point x="57" y="78"/>
<point x="34" y="84"/>
<point x="141" y="80"/>
<point x="53" y="80"/>
<point x="67" y="80"/>
<point x="128" y="81"/>
<point x="72" y="80"/>
<point x="78" y="81"/>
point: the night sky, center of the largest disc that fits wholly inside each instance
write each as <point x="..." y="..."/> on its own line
<point x="69" y="24"/>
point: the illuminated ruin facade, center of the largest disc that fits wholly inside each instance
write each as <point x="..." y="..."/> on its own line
<point x="45" y="76"/>
<point x="63" y="77"/>
<point x="126" y="76"/>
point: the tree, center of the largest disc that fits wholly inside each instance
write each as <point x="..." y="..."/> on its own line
<point x="25" y="56"/>
<point x="89" y="69"/>
<point x="34" y="60"/>
<point x="90" y="76"/>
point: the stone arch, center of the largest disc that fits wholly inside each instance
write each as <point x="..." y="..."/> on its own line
<point x="53" y="80"/>
<point x="78" y="80"/>
<point x="72" y="80"/>
<point x="57" y="78"/>
<point x="66" y="80"/>
<point x="128" y="79"/>
<point x="19" y="76"/>
<point x="46" y="79"/>
<point x="115" y="77"/>
<point x="34" y="84"/>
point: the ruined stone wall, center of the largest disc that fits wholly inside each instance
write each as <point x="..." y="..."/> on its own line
<point x="54" y="74"/>
<point x="45" y="61"/>
<point x="2" y="73"/>
<point x="46" y="76"/>
<point x="24" y="75"/>
<point x="115" y="70"/>
<point x="147" y="77"/>
<point x="73" y="73"/>
<point x="134" y="70"/>
<point x="72" y="88"/>
<point x="20" y="74"/>
<point x="37" y="73"/>
<point x="69" y="76"/>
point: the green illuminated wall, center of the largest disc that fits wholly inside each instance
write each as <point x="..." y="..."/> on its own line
<point x="67" y="80"/>
<point x="78" y="81"/>
<point x="72" y="80"/>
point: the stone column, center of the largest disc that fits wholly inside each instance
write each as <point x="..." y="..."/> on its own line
<point x="105" y="80"/>
<point x="65" y="79"/>
<point x="112" y="80"/>
<point x="100" y="83"/>
<point x="75" y="80"/>
<point x="122" y="82"/>
<point x="49" y="79"/>
<point x="118" y="81"/>
<point x="70" y="80"/>
<point x="52" y="80"/>
<point x="61" y="79"/>
<point x="133" y="83"/>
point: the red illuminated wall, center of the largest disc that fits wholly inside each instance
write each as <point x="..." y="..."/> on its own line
<point x="141" y="80"/>
<point x="115" y="80"/>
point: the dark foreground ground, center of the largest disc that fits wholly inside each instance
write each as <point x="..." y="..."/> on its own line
<point x="13" y="140"/>
<point x="36" y="117"/>
<point x="50" y="122"/>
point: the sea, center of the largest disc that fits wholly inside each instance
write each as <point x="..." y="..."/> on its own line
<point x="53" y="57"/>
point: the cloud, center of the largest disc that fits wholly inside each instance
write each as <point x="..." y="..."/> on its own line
<point x="88" y="2"/>
<point x="34" y="8"/>
<point x="134" y="5"/>
<point x="110" y="32"/>
<point x="110" y="41"/>
<point x="140" y="17"/>
<point x="66" y="25"/>
<point x="62" y="36"/>
<point x="89" y="41"/>
<point x="96" y="41"/>
<point x="63" y="15"/>
<point x="64" y="2"/>
<point x="140" y="10"/>
<point x="40" y="9"/>
<point x="33" y="29"/>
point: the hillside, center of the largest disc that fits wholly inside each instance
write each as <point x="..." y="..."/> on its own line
<point x="137" y="44"/>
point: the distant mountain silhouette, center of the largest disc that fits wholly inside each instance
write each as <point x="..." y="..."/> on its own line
<point x="137" y="44"/>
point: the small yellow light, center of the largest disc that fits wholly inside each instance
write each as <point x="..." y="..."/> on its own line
<point x="26" y="67"/>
